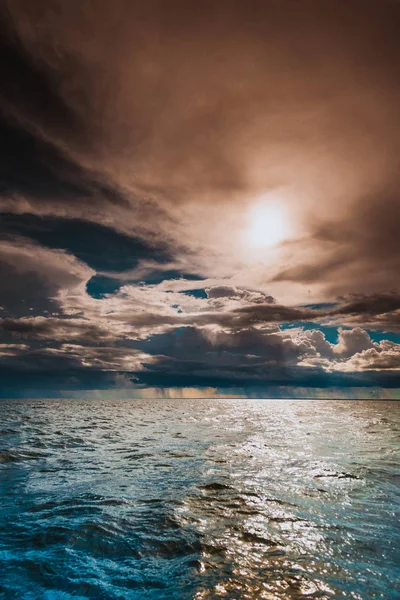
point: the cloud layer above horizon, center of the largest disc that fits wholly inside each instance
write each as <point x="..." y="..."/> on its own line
<point x="200" y="196"/>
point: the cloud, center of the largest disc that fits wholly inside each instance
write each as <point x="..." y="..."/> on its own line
<point x="100" y="247"/>
<point x="353" y="251"/>
<point x="57" y="329"/>
<point x="12" y="349"/>
<point x="355" y="352"/>
<point x="352" y="341"/>
<point x="386" y="357"/>
<point x="34" y="277"/>
<point x="105" y="358"/>
<point x="371" y="311"/>
<point x="226" y="291"/>
<point x="179" y="150"/>
<point x="139" y="143"/>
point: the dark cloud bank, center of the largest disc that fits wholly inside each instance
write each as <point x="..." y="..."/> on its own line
<point x="133" y="139"/>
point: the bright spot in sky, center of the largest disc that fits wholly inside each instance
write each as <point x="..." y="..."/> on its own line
<point x="268" y="224"/>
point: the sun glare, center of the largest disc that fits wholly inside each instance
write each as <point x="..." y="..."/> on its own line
<point x="268" y="224"/>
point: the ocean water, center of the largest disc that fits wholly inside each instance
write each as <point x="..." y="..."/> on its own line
<point x="199" y="499"/>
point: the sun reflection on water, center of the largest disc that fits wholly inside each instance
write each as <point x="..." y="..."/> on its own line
<point x="264" y="540"/>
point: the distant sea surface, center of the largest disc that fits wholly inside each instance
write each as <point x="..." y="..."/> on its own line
<point x="199" y="499"/>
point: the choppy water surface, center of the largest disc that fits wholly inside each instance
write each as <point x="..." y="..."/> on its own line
<point x="199" y="499"/>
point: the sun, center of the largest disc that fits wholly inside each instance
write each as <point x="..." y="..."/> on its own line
<point x="268" y="224"/>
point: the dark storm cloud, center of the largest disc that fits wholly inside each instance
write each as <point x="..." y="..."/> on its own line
<point x="51" y="381"/>
<point x="373" y="304"/>
<point x="32" y="114"/>
<point x="372" y="311"/>
<point x="100" y="247"/>
<point x="36" y="171"/>
<point x="251" y="346"/>
<point x="56" y="329"/>
<point x="226" y="291"/>
<point x="267" y="313"/>
<point x="42" y="256"/>
<point x="29" y="91"/>
<point x="253" y="357"/>
<point x="169" y="373"/>
<point x="32" y="277"/>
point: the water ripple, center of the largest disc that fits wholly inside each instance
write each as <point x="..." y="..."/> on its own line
<point x="199" y="500"/>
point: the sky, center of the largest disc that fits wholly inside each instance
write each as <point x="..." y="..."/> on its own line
<point x="200" y="199"/>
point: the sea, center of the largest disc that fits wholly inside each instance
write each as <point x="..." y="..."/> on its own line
<point x="199" y="499"/>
